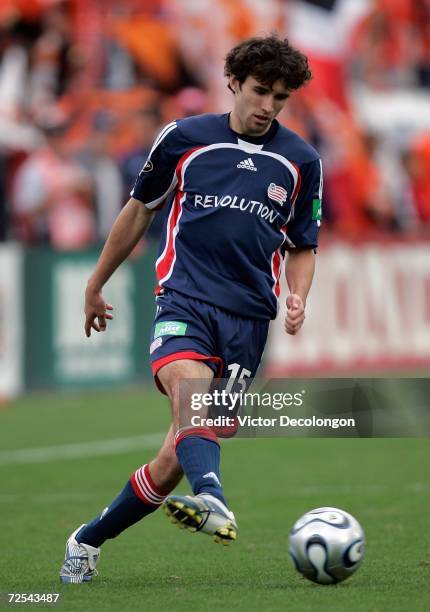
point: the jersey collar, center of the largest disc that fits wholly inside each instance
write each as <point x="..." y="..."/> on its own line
<point x="253" y="140"/>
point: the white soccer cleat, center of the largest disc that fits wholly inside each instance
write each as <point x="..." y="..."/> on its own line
<point x="204" y="513"/>
<point x="79" y="562"/>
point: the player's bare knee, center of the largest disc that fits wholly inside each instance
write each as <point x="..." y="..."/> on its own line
<point x="167" y="457"/>
<point x="166" y="470"/>
<point x="166" y="465"/>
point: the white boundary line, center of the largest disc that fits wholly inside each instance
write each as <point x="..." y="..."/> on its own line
<point x="81" y="450"/>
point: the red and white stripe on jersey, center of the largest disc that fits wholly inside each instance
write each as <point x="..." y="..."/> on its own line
<point x="276" y="265"/>
<point x="144" y="487"/>
<point x="166" y="261"/>
<point x="294" y="198"/>
<point x="297" y="186"/>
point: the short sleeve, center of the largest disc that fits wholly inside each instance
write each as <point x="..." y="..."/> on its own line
<point x="303" y="229"/>
<point x="157" y="179"/>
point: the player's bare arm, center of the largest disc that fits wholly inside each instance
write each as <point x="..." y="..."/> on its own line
<point x="299" y="271"/>
<point x="128" y="229"/>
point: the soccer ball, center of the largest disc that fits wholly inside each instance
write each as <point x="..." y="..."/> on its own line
<point x="326" y="545"/>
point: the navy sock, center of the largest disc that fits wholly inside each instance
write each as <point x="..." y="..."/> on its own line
<point x="138" y="498"/>
<point x="200" y="458"/>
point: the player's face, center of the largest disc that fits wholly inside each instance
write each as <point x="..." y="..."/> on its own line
<point x="256" y="105"/>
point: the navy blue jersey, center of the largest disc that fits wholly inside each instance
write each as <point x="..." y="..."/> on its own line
<point x="237" y="203"/>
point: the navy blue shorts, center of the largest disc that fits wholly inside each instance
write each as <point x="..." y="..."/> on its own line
<point x="187" y="328"/>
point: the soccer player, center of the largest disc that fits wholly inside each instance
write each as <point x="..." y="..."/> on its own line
<point x="242" y="190"/>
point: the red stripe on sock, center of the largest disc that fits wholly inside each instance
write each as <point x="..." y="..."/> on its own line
<point x="197" y="432"/>
<point x="144" y="487"/>
<point x="227" y="431"/>
<point x="154" y="487"/>
<point x="139" y="493"/>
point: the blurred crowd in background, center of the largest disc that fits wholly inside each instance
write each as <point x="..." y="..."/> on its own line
<point x="85" y="85"/>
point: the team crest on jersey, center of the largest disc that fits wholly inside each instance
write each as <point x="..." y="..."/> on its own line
<point x="277" y="193"/>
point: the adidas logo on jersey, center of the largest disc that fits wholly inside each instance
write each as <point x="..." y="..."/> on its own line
<point x="248" y="164"/>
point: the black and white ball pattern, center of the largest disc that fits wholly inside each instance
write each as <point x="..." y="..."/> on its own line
<point x="326" y="545"/>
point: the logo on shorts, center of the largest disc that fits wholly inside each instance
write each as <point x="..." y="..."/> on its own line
<point x="170" y="328"/>
<point x="155" y="345"/>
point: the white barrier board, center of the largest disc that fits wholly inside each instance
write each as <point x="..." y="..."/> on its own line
<point x="11" y="320"/>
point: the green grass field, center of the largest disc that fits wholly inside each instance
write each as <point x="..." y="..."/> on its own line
<point x="154" y="566"/>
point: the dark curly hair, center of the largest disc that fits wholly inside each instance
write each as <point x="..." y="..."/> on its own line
<point x="267" y="60"/>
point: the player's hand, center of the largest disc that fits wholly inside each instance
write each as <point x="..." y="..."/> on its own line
<point x="295" y="314"/>
<point x="96" y="308"/>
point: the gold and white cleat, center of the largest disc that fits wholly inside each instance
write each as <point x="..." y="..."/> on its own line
<point x="204" y="513"/>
